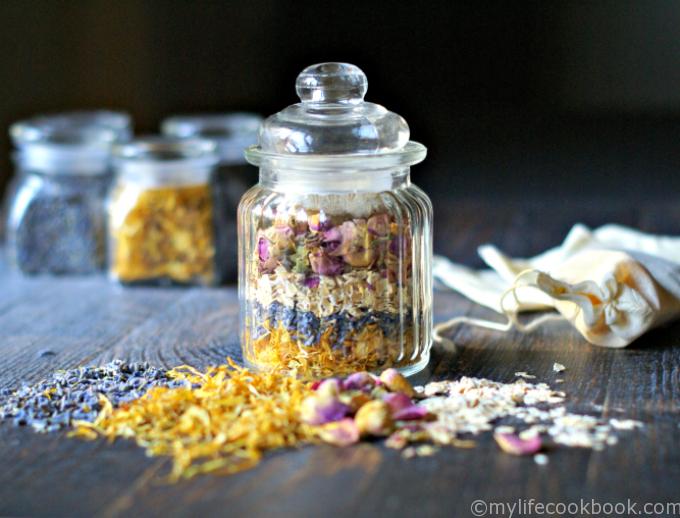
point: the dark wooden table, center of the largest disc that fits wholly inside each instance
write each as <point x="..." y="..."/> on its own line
<point x="90" y="321"/>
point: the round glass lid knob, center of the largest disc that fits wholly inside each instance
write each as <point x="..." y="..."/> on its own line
<point x="331" y="83"/>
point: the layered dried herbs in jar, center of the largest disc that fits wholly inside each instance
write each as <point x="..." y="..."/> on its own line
<point x="331" y="293"/>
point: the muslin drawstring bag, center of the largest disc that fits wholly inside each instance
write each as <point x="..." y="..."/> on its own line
<point x="613" y="284"/>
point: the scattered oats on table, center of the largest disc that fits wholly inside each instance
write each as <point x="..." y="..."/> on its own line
<point x="558" y="367"/>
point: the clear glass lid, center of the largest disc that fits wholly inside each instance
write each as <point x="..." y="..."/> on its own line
<point x="333" y="127"/>
<point x="70" y="143"/>
<point x="120" y="122"/>
<point x="158" y="160"/>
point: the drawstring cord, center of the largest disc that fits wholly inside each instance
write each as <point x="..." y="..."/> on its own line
<point x="511" y="315"/>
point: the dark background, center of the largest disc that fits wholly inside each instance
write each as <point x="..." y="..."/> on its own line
<point x="518" y="100"/>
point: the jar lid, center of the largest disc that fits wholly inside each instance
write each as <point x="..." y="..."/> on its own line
<point x="231" y="132"/>
<point x="161" y="159"/>
<point x="76" y="143"/>
<point x="120" y="122"/>
<point x="333" y="127"/>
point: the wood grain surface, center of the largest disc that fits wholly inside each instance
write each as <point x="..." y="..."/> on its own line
<point x="89" y="321"/>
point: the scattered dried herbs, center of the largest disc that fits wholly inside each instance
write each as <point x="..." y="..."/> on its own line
<point x="224" y="419"/>
<point x="222" y="426"/>
<point x="71" y="395"/>
<point x="162" y="234"/>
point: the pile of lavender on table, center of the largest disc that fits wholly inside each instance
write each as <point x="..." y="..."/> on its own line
<point x="72" y="395"/>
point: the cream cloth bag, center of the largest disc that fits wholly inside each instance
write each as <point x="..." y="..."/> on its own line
<point x="613" y="284"/>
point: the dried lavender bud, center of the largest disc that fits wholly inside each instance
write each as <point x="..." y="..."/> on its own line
<point x="66" y="396"/>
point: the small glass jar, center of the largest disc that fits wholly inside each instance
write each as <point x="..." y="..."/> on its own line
<point x="232" y="133"/>
<point x="55" y="204"/>
<point x="335" y="241"/>
<point x="161" y="213"/>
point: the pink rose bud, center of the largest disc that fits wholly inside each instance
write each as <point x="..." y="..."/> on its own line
<point x="410" y="413"/>
<point x="340" y="433"/>
<point x="397" y="401"/>
<point x="396" y="382"/>
<point x="358" y="381"/>
<point x="379" y="225"/>
<point x="374" y="418"/>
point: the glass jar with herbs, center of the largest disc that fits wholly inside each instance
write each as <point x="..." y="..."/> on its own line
<point x="56" y="202"/>
<point x="162" y="225"/>
<point x="231" y="133"/>
<point x="335" y="240"/>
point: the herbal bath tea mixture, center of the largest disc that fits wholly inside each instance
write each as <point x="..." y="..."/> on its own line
<point x="224" y="419"/>
<point x="331" y="295"/>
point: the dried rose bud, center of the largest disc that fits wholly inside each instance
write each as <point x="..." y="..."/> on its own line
<point x="397" y="401"/>
<point x="282" y="238"/>
<point x="379" y="225"/>
<point x="267" y="260"/>
<point x="324" y="264"/>
<point x="324" y="406"/>
<point x="410" y="413"/>
<point x="514" y="445"/>
<point x="355" y="247"/>
<point x="358" y="381"/>
<point x="263" y="249"/>
<point x="374" y="418"/>
<point x="340" y="433"/>
<point x="320" y="410"/>
<point x="330" y="387"/>
<point x="312" y="281"/>
<point x="396" y="382"/>
<point x="317" y="222"/>
<point x="354" y="400"/>
<point x="331" y="239"/>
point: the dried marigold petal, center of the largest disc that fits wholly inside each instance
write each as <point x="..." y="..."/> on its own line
<point x="222" y="426"/>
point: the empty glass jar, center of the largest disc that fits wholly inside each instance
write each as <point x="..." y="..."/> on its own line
<point x="55" y="204"/>
<point x="231" y="133"/>
<point x="335" y="241"/>
<point x="161" y="212"/>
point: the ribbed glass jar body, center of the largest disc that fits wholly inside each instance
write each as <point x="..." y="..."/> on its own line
<point x="335" y="279"/>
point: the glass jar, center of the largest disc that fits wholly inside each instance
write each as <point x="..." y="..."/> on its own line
<point x="232" y="133"/>
<point x="161" y="213"/>
<point x="335" y="241"/>
<point x="55" y="204"/>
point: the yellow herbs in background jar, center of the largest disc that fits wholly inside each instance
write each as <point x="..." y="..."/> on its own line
<point x="162" y="213"/>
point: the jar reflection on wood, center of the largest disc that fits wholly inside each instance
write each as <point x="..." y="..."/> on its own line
<point x="55" y="204"/>
<point x="231" y="133"/>
<point x="162" y="228"/>
<point x="335" y="240"/>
